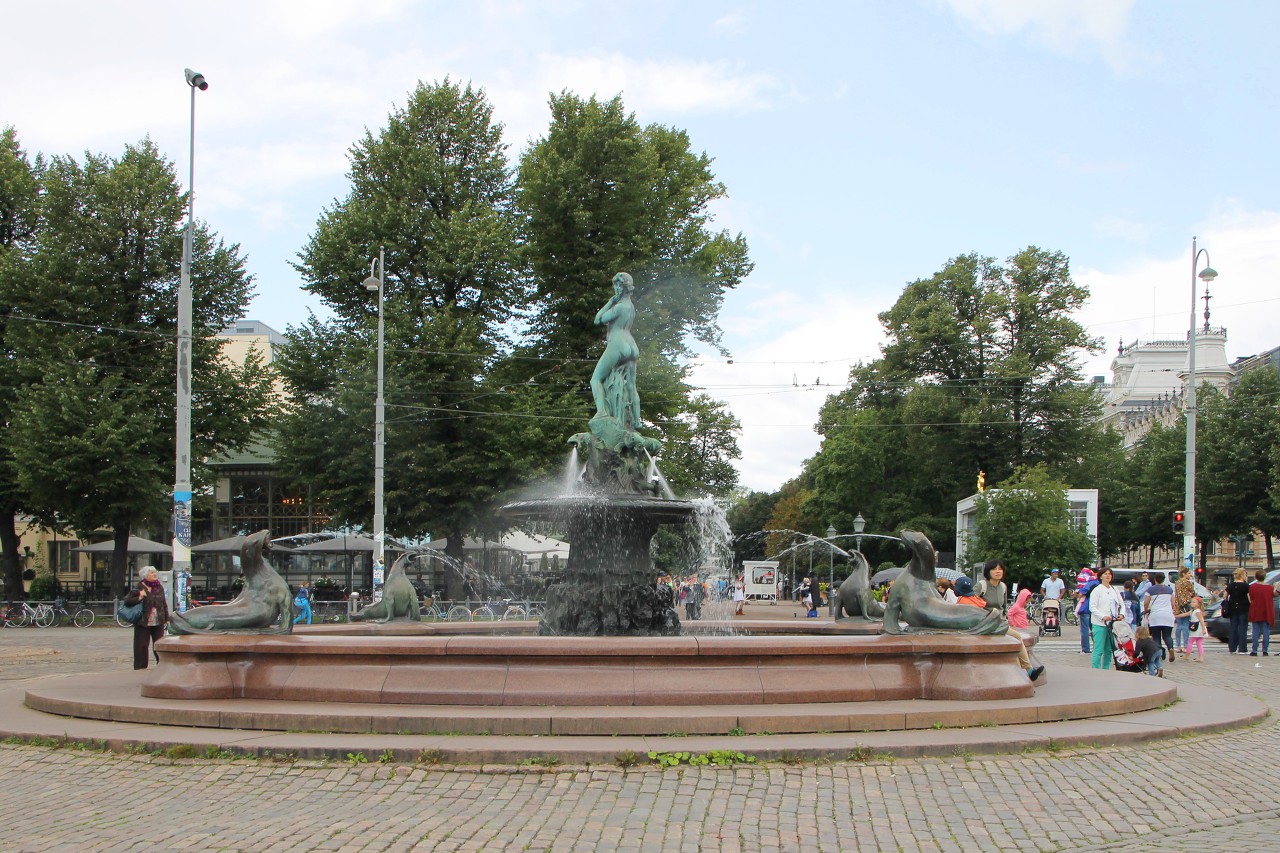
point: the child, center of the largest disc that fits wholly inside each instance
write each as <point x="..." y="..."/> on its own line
<point x="1196" y="630"/>
<point x="1150" y="650"/>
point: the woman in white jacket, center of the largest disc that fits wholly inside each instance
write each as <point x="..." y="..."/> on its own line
<point x="1106" y="605"/>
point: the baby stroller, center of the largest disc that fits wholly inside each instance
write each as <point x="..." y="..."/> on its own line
<point x="1126" y="656"/>
<point x="1051" y="618"/>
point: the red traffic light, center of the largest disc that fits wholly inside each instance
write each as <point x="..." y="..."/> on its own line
<point x="1179" y="521"/>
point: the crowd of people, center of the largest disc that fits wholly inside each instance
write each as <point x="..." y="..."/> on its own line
<point x="1168" y="620"/>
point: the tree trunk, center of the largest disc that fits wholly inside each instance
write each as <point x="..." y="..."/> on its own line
<point x="12" y="565"/>
<point x="454" y="583"/>
<point x="120" y="584"/>
<point x="1151" y="558"/>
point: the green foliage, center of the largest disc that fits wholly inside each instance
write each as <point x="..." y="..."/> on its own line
<point x="980" y="374"/>
<point x="1026" y="522"/>
<point x="700" y="444"/>
<point x="435" y="189"/>
<point x="19" y="220"/>
<point x="180" y="751"/>
<point x="94" y="388"/>
<point x="44" y="587"/>
<point x="1237" y="489"/>
<point x="430" y="756"/>
<point x="750" y="515"/>
<point x="547" y="761"/>
<point x="388" y="756"/>
<point x="718" y="757"/>
<point x="355" y="759"/>
<point x="626" y="758"/>
<point x="1153" y="486"/>
<point x="599" y="194"/>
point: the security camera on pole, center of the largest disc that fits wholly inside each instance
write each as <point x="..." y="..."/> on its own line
<point x="182" y="451"/>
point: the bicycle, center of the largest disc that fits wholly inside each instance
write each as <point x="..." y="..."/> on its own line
<point x="1034" y="607"/>
<point x="458" y="613"/>
<point x="23" y="614"/>
<point x="82" y="618"/>
<point x="514" y="612"/>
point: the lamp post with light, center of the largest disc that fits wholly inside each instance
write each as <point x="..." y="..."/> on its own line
<point x="1206" y="275"/>
<point x="375" y="283"/>
<point x="182" y="417"/>
<point x="859" y="525"/>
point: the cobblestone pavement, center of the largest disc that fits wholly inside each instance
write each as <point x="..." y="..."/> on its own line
<point x="1195" y="793"/>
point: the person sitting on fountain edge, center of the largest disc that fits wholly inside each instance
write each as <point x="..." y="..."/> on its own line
<point x="965" y="597"/>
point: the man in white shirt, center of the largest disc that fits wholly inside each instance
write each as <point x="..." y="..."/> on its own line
<point x="1052" y="586"/>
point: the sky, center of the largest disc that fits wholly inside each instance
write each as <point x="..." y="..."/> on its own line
<point x="862" y="145"/>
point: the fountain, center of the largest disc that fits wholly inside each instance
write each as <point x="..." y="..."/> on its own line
<point x="609" y="656"/>
<point x="612" y="508"/>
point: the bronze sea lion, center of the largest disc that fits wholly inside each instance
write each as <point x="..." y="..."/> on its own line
<point x="399" y="599"/>
<point x="856" y="600"/>
<point x="914" y="599"/>
<point x="264" y="606"/>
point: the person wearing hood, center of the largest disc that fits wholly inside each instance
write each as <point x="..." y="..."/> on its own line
<point x="1018" y="612"/>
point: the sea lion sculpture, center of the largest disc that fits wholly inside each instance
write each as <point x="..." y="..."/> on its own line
<point x="914" y="599"/>
<point x="856" y="600"/>
<point x="264" y="605"/>
<point x="399" y="600"/>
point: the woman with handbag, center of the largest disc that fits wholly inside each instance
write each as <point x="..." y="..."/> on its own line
<point x="155" y="615"/>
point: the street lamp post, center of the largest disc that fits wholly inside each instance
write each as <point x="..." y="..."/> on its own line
<point x="831" y="572"/>
<point x="859" y="525"/>
<point x="1207" y="275"/>
<point x="182" y="416"/>
<point x="379" y="417"/>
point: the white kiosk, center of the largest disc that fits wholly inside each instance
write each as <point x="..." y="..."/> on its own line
<point x="760" y="578"/>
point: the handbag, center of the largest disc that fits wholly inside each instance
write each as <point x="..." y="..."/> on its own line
<point x="1194" y="626"/>
<point x="130" y="614"/>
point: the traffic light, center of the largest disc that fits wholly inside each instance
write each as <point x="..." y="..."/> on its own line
<point x="1179" y="522"/>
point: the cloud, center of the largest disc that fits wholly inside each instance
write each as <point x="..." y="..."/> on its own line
<point x="1125" y="229"/>
<point x="800" y="352"/>
<point x="653" y="86"/>
<point x="1067" y="27"/>
<point x="732" y="24"/>
<point x="1151" y="298"/>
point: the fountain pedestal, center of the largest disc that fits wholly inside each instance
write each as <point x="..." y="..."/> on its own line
<point x="609" y="586"/>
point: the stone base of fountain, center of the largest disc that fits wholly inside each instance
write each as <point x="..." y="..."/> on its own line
<point x="429" y="668"/>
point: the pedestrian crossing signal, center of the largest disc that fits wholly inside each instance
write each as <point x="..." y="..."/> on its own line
<point x="1179" y="522"/>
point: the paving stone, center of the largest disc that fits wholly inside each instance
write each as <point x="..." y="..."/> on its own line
<point x="1060" y="799"/>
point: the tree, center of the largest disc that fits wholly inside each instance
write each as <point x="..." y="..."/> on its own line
<point x="747" y="517"/>
<point x="1027" y="524"/>
<point x="1237" y="436"/>
<point x="435" y="189"/>
<point x="599" y="194"/>
<point x="1154" y="487"/>
<point x="980" y="374"/>
<point x="701" y="444"/>
<point x="102" y="281"/>
<point x="19" y="220"/>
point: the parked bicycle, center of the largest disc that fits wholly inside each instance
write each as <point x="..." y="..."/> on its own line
<point x="22" y="614"/>
<point x="82" y="617"/>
